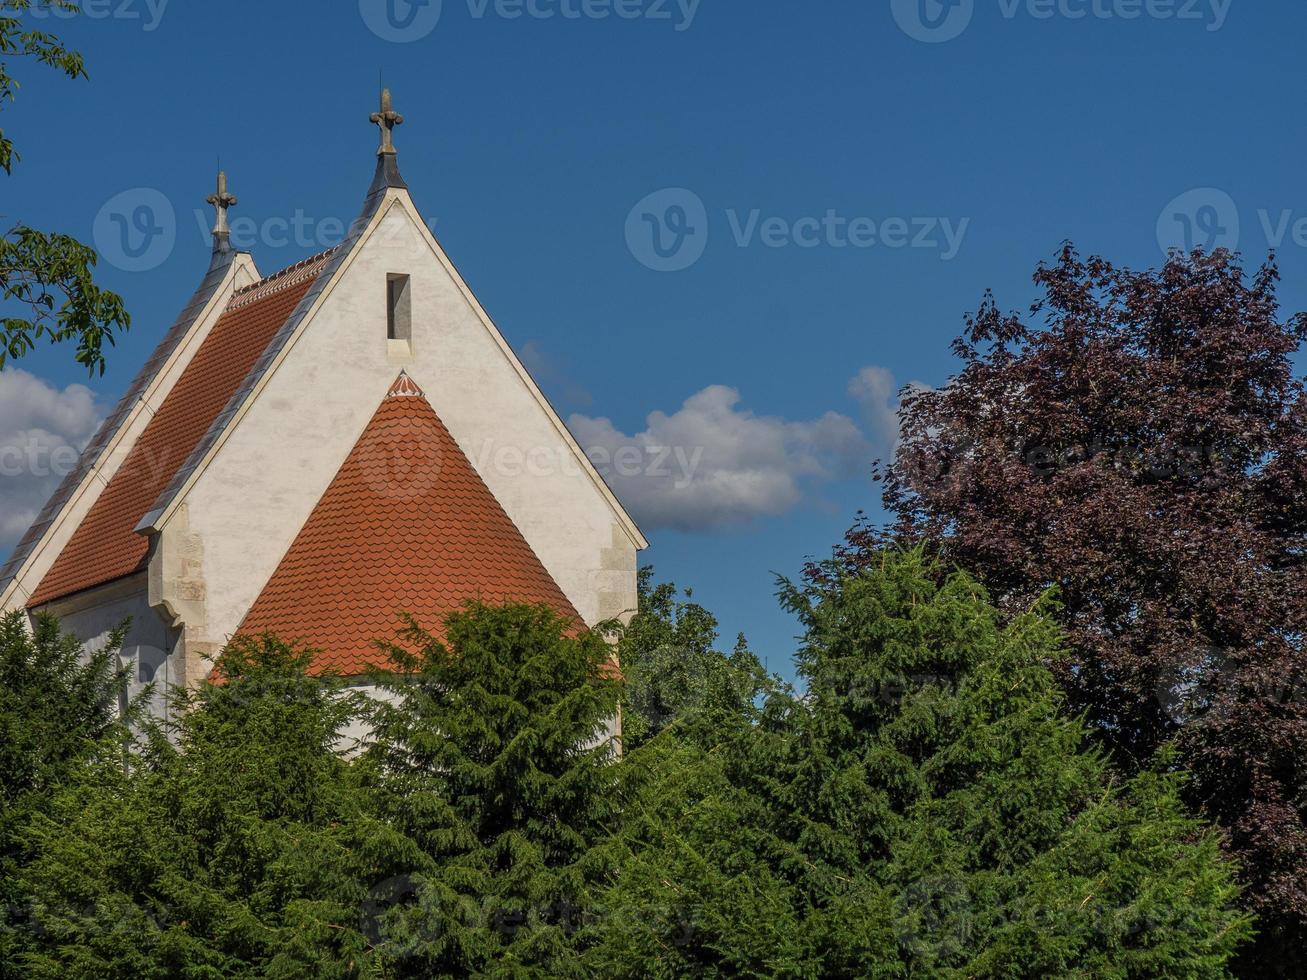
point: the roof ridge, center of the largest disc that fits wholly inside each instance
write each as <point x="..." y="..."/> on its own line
<point x="288" y="276"/>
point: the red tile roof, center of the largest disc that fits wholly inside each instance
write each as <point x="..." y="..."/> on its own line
<point x="106" y="546"/>
<point x="406" y="526"/>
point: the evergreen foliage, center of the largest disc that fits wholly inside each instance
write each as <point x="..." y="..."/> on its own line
<point x="238" y="851"/>
<point x="674" y="676"/>
<point x="926" y="809"/>
<point x="494" y="756"/>
<point x="1138" y="441"/>
<point x="59" y="709"/>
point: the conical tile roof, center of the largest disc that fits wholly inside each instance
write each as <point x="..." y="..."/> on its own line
<point x="406" y="526"/>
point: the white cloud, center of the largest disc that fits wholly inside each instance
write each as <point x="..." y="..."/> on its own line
<point x="875" y="389"/>
<point x="712" y="464"/>
<point x="42" y="431"/>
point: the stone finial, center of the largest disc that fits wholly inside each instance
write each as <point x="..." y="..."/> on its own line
<point x="386" y="119"/>
<point x="222" y="200"/>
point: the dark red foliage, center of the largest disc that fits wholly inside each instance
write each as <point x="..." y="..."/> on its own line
<point x="1144" y="449"/>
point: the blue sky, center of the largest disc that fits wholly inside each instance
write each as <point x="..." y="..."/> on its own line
<point x="832" y="186"/>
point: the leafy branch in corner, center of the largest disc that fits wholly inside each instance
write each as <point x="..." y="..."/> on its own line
<point x="47" y="285"/>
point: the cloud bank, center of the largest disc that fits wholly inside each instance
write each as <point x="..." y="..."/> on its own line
<point x="713" y="464"/>
<point x="42" y="431"/>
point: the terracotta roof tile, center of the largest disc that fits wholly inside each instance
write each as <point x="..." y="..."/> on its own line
<point x="406" y="526"/>
<point x="219" y="268"/>
<point x="106" y="546"/>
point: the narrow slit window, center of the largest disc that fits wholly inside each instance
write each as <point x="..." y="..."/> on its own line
<point x="399" y="308"/>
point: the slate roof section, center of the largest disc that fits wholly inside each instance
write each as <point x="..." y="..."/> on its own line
<point x="106" y="547"/>
<point x="406" y="526"/>
<point x="223" y="257"/>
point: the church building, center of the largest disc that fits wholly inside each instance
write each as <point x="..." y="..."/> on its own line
<point x="317" y="452"/>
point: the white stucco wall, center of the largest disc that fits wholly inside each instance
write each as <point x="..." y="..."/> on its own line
<point x="244" y="509"/>
<point x="149" y="646"/>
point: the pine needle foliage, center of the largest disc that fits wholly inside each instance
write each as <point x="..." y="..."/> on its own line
<point x="674" y="675"/>
<point x="236" y="845"/>
<point x="59" y="709"/>
<point x="494" y="754"/>
<point x="926" y="809"/>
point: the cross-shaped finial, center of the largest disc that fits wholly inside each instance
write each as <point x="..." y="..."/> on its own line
<point x="222" y="201"/>
<point x="387" y="119"/>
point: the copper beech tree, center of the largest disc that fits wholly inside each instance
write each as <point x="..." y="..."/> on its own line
<point x="1137" y="442"/>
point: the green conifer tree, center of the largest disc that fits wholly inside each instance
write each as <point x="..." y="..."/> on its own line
<point x="236" y="847"/>
<point x="675" y="676"/>
<point x="926" y="809"/>
<point x="58" y="709"/>
<point x="495" y="756"/>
